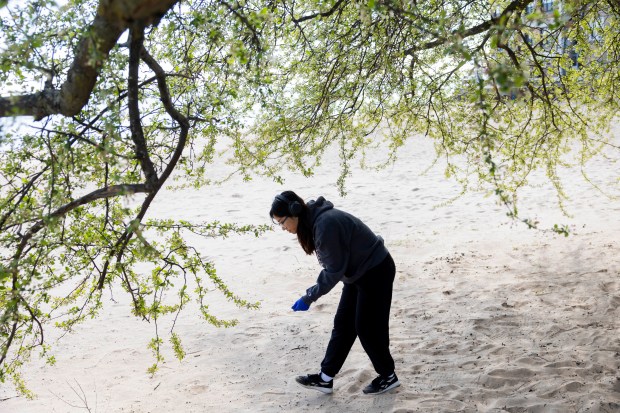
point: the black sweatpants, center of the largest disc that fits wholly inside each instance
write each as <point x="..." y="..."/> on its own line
<point x="364" y="312"/>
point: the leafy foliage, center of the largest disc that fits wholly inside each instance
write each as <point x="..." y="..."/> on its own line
<point x="506" y="87"/>
<point x="67" y="233"/>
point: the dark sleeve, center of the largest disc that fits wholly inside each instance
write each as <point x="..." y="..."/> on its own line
<point x="332" y="251"/>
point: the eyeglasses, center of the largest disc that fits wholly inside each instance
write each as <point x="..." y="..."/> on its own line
<point x="281" y="223"/>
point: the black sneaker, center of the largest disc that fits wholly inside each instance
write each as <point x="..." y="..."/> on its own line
<point x="313" y="381"/>
<point x="382" y="384"/>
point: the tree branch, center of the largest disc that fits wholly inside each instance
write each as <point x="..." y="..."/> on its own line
<point x="320" y="14"/>
<point x="22" y="194"/>
<point x="101" y="193"/>
<point x="11" y="336"/>
<point x="136" y="38"/>
<point x="246" y="22"/>
<point x="164" y="94"/>
<point x="515" y="6"/>
<point x="181" y="119"/>
<point x="112" y="19"/>
<point x="107" y="192"/>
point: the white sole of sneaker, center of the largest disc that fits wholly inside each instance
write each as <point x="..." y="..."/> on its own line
<point x="320" y="389"/>
<point x="392" y="386"/>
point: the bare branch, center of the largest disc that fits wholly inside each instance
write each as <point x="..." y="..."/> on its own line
<point x="172" y="111"/>
<point x="137" y="134"/>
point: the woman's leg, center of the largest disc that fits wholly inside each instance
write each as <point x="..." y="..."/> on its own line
<point x="373" y="315"/>
<point x="343" y="334"/>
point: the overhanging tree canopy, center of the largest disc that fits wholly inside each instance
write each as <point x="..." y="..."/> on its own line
<point x="514" y="84"/>
<point x="130" y="91"/>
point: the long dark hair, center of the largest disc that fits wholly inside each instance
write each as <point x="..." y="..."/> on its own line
<point x="289" y="204"/>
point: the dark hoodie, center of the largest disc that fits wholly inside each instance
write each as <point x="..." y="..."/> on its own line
<point x="345" y="246"/>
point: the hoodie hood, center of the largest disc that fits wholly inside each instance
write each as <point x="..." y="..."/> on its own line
<point x="318" y="206"/>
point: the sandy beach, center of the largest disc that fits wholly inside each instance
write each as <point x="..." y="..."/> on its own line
<point x="487" y="315"/>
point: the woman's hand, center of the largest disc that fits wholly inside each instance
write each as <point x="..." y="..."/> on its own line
<point x="300" y="305"/>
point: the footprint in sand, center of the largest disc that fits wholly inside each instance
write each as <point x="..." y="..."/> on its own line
<point x="198" y="389"/>
<point x="361" y="379"/>
<point x="498" y="378"/>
